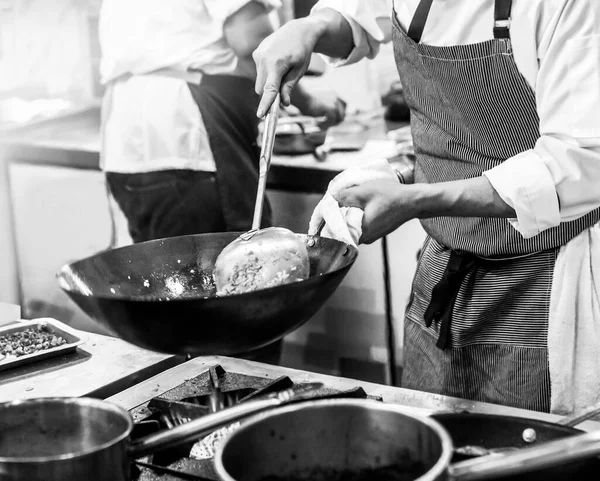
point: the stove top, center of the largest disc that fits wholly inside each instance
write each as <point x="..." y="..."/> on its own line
<point x="210" y="391"/>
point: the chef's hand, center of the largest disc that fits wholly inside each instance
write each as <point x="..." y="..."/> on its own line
<point x="344" y="223"/>
<point x="386" y="205"/>
<point x="281" y="60"/>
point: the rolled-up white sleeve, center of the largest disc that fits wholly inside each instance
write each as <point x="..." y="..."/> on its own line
<point x="221" y="10"/>
<point x="371" y="25"/>
<point x="559" y="179"/>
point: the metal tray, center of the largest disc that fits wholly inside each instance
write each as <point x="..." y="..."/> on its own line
<point x="53" y="326"/>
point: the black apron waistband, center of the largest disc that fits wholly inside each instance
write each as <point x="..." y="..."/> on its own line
<point x="444" y="293"/>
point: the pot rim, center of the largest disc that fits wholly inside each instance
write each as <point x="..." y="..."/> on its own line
<point x="434" y="473"/>
<point x="90" y="402"/>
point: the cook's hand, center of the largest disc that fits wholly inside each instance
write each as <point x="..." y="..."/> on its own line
<point x="281" y="60"/>
<point x="328" y="105"/>
<point x="386" y="205"/>
<point x="344" y="224"/>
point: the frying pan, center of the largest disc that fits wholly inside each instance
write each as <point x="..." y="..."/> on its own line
<point x="498" y="432"/>
<point x="160" y="295"/>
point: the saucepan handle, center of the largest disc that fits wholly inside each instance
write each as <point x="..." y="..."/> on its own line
<point x="547" y="455"/>
<point x="195" y="429"/>
<point x="581" y="416"/>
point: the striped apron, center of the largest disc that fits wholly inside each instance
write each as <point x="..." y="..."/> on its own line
<point x="477" y="321"/>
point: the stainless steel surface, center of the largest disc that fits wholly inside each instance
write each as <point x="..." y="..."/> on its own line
<point x="581" y="416"/>
<point x="262" y="258"/>
<point x="542" y="456"/>
<point x="268" y="141"/>
<point x="73" y="341"/>
<point x="421" y="403"/>
<point x="58" y="439"/>
<point x="339" y="434"/>
<point x="160" y="295"/>
<point x="539" y="433"/>
<point x="357" y="435"/>
<point x="477" y="434"/>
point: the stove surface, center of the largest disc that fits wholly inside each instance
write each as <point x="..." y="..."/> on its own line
<point x="211" y="391"/>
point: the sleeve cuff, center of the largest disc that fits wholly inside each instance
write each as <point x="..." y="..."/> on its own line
<point x="525" y="183"/>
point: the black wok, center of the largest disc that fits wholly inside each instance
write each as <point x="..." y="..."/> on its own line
<point x="160" y="295"/>
<point x="498" y="432"/>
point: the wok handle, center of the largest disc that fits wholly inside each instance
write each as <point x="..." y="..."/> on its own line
<point x="266" y="152"/>
<point x="195" y="429"/>
<point x="547" y="455"/>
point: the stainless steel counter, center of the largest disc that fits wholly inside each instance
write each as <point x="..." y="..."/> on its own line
<point x="73" y="141"/>
<point x="416" y="401"/>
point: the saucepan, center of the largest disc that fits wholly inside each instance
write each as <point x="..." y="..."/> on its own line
<point x="56" y="439"/>
<point x="59" y="439"/>
<point x="342" y="439"/>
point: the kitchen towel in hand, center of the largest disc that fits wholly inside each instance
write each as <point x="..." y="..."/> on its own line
<point x="345" y="223"/>
<point x="574" y="325"/>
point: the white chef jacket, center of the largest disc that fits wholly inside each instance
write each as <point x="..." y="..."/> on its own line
<point x="150" y="49"/>
<point x="556" y="47"/>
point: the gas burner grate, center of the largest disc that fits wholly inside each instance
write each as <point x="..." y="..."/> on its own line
<point x="211" y="391"/>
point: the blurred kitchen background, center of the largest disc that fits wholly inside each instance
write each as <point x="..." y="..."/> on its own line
<point x="54" y="207"/>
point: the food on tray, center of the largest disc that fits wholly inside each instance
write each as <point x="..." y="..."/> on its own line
<point x="28" y="341"/>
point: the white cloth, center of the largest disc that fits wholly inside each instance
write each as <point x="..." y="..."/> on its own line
<point x="150" y="120"/>
<point x="574" y="325"/>
<point x="345" y="223"/>
<point x="556" y="46"/>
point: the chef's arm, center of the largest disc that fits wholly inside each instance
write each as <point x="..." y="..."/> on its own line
<point x="558" y="180"/>
<point x="244" y="31"/>
<point x="462" y="198"/>
<point x="344" y="30"/>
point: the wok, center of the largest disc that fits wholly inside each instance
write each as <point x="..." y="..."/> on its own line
<point x="160" y="295"/>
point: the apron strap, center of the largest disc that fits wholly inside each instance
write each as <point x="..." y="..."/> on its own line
<point x="502" y="11"/>
<point x="415" y="31"/>
<point x="445" y="291"/>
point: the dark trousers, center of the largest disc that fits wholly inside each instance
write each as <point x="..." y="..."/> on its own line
<point x="172" y="203"/>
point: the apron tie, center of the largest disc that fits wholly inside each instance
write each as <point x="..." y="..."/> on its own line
<point x="444" y="294"/>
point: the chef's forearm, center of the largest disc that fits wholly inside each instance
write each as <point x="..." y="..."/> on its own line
<point x="332" y="32"/>
<point x="462" y="198"/>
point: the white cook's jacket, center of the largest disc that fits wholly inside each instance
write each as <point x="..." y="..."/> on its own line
<point x="150" y="120"/>
<point x="556" y="45"/>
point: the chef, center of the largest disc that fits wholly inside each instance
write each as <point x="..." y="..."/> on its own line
<point x="505" y="117"/>
<point x="179" y="126"/>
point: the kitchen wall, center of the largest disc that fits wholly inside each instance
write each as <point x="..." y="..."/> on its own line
<point x="47" y="49"/>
